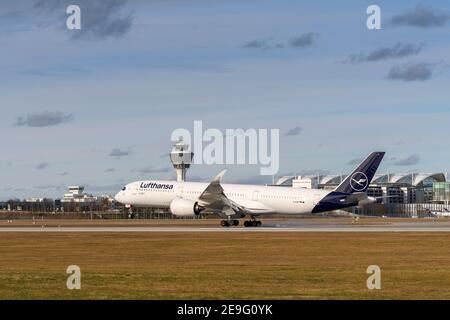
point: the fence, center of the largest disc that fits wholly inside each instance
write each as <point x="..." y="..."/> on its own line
<point x="407" y="210"/>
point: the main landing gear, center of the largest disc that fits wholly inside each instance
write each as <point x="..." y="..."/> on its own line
<point x="229" y="223"/>
<point x="252" y="223"/>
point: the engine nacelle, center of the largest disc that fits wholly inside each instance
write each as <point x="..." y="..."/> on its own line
<point x="368" y="200"/>
<point x="185" y="208"/>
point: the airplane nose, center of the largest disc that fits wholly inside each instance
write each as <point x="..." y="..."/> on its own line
<point x="117" y="197"/>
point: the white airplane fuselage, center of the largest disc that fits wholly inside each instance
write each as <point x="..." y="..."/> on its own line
<point x="260" y="199"/>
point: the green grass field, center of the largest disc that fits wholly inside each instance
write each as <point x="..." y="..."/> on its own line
<point x="225" y="265"/>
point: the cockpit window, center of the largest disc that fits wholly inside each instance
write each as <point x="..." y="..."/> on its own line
<point x="124" y="188"/>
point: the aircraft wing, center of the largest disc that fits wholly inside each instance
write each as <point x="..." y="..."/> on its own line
<point x="214" y="200"/>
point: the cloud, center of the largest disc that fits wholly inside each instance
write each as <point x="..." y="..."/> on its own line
<point x="411" y="72"/>
<point x="409" y="161"/>
<point x="150" y="169"/>
<point x="294" y="131"/>
<point x="42" y="166"/>
<point x="100" y="19"/>
<point x="422" y="17"/>
<point x="398" y="51"/>
<point x="43" y="119"/>
<point x="63" y="174"/>
<point x="110" y="170"/>
<point x="304" y="40"/>
<point x="355" y="162"/>
<point x="118" y="153"/>
<point x="262" y="44"/>
<point x="255" y="44"/>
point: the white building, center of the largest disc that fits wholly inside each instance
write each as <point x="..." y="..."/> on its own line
<point x="76" y="194"/>
<point x="304" y="183"/>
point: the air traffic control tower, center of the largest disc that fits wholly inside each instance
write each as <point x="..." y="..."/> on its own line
<point x="181" y="158"/>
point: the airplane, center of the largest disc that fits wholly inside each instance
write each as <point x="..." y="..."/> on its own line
<point x="444" y="213"/>
<point x="232" y="202"/>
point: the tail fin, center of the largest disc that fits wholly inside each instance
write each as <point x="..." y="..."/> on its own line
<point x="360" y="178"/>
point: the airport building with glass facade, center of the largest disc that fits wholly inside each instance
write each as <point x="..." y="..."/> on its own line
<point x="441" y="192"/>
<point x="390" y="187"/>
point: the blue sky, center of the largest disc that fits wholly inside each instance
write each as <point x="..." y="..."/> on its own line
<point x="141" y="69"/>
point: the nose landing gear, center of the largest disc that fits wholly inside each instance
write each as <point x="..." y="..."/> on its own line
<point x="131" y="214"/>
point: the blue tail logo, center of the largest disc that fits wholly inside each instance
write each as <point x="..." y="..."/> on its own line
<point x="359" y="180"/>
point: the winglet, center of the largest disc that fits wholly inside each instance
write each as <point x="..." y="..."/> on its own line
<point x="219" y="177"/>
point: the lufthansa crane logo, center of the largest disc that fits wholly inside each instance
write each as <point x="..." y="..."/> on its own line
<point x="359" y="181"/>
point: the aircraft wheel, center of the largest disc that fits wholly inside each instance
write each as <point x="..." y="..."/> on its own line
<point x="246" y="224"/>
<point x="235" y="223"/>
<point x="224" y="223"/>
<point x="258" y="223"/>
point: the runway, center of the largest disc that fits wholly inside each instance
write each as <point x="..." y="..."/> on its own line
<point x="395" y="227"/>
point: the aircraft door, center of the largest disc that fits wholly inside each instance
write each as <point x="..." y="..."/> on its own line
<point x="134" y="190"/>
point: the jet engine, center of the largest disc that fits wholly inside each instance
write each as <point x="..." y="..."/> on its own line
<point x="368" y="200"/>
<point x="185" y="208"/>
